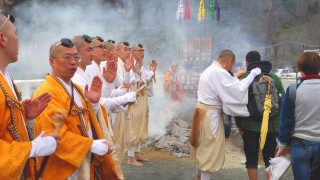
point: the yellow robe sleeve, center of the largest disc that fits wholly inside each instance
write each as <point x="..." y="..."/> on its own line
<point x="73" y="147"/>
<point x="13" y="154"/>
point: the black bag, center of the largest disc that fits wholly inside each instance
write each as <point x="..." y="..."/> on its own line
<point x="258" y="89"/>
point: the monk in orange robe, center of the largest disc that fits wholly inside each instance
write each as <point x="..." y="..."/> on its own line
<point x="15" y="125"/>
<point x="171" y="86"/>
<point x="82" y="151"/>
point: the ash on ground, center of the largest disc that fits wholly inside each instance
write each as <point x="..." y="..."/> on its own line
<point x="176" y="141"/>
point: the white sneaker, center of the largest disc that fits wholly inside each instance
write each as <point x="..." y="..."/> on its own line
<point x="278" y="166"/>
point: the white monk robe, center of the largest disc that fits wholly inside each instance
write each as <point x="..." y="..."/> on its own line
<point x="111" y="98"/>
<point x="120" y="127"/>
<point x="139" y="112"/>
<point x="82" y="79"/>
<point x="114" y="99"/>
<point x="217" y="91"/>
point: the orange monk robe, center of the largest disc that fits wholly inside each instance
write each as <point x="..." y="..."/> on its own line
<point x="14" y="155"/>
<point x="73" y="147"/>
<point x="172" y="87"/>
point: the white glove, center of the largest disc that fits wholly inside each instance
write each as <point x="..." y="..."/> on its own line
<point x="99" y="147"/>
<point x="254" y="72"/>
<point x="119" y="91"/>
<point x="43" y="146"/>
<point x="131" y="96"/>
<point x="118" y="109"/>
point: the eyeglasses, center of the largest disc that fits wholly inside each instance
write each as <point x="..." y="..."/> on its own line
<point x="140" y="50"/>
<point x="100" y="46"/>
<point x="9" y="17"/>
<point x="111" y="41"/>
<point x="86" y="38"/>
<point x="99" y="38"/>
<point x="69" y="58"/>
<point x="65" y="42"/>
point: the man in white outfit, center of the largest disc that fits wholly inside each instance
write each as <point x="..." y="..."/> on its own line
<point x="112" y="99"/>
<point x="218" y="92"/>
<point x="139" y="111"/>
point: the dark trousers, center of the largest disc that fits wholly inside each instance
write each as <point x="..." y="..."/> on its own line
<point x="227" y="126"/>
<point x="251" y="140"/>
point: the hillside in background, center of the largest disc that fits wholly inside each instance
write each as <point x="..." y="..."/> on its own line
<point x="286" y="27"/>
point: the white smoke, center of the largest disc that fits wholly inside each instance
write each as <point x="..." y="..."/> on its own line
<point x="151" y="23"/>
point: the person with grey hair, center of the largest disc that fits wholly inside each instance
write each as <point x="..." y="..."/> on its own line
<point x="217" y="91"/>
<point x="143" y="82"/>
<point x="82" y="145"/>
<point x="17" y="146"/>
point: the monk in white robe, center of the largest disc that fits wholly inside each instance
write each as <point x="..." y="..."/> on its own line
<point x="85" y="48"/>
<point x="139" y="111"/>
<point x="218" y="92"/>
<point x="107" y="74"/>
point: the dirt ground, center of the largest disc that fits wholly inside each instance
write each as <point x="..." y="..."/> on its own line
<point x="165" y="166"/>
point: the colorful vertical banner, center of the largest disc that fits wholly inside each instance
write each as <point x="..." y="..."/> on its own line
<point x="217" y="7"/>
<point x="179" y="13"/>
<point x="214" y="10"/>
<point x="211" y="12"/>
<point x="202" y="11"/>
<point x="187" y="11"/>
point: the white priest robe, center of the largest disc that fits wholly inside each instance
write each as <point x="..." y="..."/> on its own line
<point x="218" y="91"/>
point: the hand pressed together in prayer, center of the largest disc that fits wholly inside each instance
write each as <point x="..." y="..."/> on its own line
<point x="153" y="65"/>
<point x="128" y="64"/>
<point x="34" y="107"/>
<point x="136" y="68"/>
<point x="109" y="73"/>
<point x="141" y="82"/>
<point x="112" y="57"/>
<point x="94" y="93"/>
